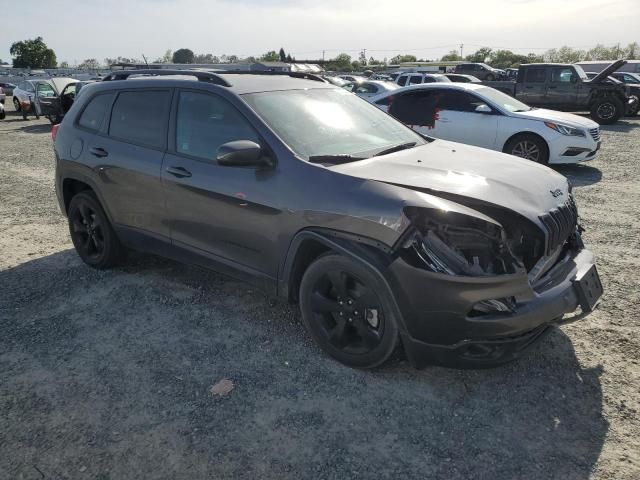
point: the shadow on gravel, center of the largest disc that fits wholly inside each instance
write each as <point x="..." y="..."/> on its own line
<point x="580" y="175"/>
<point x="622" y="125"/>
<point x="108" y="373"/>
<point x="35" y="128"/>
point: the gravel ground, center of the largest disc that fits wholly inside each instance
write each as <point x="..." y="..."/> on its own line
<point x="107" y="375"/>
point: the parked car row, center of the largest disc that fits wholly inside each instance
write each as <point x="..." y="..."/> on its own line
<point x="381" y="233"/>
<point x="51" y="98"/>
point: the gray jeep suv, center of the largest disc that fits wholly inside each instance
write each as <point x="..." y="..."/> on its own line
<point x="383" y="237"/>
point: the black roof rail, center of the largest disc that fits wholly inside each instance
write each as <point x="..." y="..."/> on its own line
<point x="202" y="76"/>
<point x="302" y="75"/>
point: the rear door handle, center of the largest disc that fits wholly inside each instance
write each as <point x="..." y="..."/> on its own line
<point x="179" y="172"/>
<point x="98" y="152"/>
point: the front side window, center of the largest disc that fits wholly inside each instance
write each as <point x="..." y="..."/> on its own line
<point x="46" y="90"/>
<point x="141" y="117"/>
<point x="415" y="79"/>
<point x="561" y="75"/>
<point x="402" y="81"/>
<point x="458" y="101"/>
<point x="93" y="115"/>
<point x="323" y="121"/>
<point x="205" y="122"/>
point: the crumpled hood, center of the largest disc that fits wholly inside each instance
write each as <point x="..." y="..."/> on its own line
<point x="569" y="119"/>
<point x="608" y="71"/>
<point x="462" y="170"/>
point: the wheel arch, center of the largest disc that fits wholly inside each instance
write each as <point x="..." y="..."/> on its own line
<point x="525" y="133"/>
<point x="73" y="183"/>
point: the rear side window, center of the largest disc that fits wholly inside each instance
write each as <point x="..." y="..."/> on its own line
<point x="205" y="122"/>
<point x="402" y="81"/>
<point x="94" y="113"/>
<point x="141" y="117"/>
<point x="415" y="79"/>
<point x="535" y="75"/>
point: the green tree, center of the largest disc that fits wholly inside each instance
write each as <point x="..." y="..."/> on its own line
<point x="480" y="56"/>
<point x="564" y="55"/>
<point x="452" y="56"/>
<point x="64" y="65"/>
<point x="402" y="59"/>
<point x="89" y="64"/>
<point x="183" y="55"/>
<point x="271" y="56"/>
<point x="282" y="54"/>
<point x="342" y="62"/>
<point x="32" y="54"/>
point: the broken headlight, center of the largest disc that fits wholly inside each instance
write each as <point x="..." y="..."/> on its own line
<point x="458" y="244"/>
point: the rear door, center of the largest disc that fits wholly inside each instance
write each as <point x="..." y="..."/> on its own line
<point x="561" y="89"/>
<point x="458" y="120"/>
<point x="127" y="153"/>
<point x="47" y="99"/>
<point x="533" y="86"/>
<point x="418" y="109"/>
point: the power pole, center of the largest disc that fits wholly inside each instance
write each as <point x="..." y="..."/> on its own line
<point x="461" y="45"/>
<point x="322" y="56"/>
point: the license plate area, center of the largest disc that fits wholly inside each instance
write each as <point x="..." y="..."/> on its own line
<point x="589" y="289"/>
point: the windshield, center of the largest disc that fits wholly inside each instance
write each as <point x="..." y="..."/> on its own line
<point x="503" y="100"/>
<point x="326" y="122"/>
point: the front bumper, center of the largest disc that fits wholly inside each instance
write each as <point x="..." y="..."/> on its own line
<point x="569" y="149"/>
<point x="438" y="326"/>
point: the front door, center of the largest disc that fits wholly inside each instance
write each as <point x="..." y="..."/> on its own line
<point x="532" y="90"/>
<point x="221" y="212"/>
<point x="562" y="87"/>
<point x="460" y="120"/>
<point x="47" y="101"/>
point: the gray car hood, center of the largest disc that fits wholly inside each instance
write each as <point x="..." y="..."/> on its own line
<point x="608" y="71"/>
<point x="442" y="167"/>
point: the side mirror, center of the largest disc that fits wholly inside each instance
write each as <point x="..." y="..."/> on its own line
<point x="241" y="153"/>
<point x="483" y="109"/>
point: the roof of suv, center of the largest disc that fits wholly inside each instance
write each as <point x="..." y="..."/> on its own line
<point x="238" y="82"/>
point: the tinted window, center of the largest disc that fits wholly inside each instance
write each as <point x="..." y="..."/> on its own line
<point x="402" y="81"/>
<point x="141" y="117"/>
<point x="561" y="75"/>
<point x="535" y="75"/>
<point x="458" y="101"/>
<point x="416" y="108"/>
<point x="366" y="88"/>
<point x="94" y="113"/>
<point x="204" y="122"/>
<point x="429" y="80"/>
<point x="415" y="79"/>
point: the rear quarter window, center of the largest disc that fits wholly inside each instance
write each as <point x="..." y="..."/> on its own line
<point x="141" y="117"/>
<point x="93" y="115"/>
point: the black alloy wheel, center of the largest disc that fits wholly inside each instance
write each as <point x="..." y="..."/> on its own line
<point x="91" y="233"/>
<point x="607" y="111"/>
<point x="344" y="310"/>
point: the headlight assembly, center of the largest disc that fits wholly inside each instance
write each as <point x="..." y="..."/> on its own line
<point x="458" y="244"/>
<point x="565" y="129"/>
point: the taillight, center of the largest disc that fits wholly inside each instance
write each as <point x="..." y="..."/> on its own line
<point x="54" y="131"/>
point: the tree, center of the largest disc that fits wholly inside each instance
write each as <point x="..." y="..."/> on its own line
<point x="452" y="56"/>
<point x="32" y="54"/>
<point x="283" y="56"/>
<point x="403" y="59"/>
<point x="111" y="61"/>
<point x="89" y="64"/>
<point x="183" y="55"/>
<point x="206" y="58"/>
<point x="64" y="65"/>
<point x="271" y="56"/>
<point x="480" y="56"/>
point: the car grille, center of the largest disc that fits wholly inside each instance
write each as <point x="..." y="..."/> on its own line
<point x="560" y="223"/>
<point x="595" y="133"/>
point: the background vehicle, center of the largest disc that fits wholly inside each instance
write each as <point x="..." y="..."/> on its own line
<point x="416" y="78"/>
<point x="47" y="97"/>
<point x="633" y="88"/>
<point x="7" y="87"/>
<point x="337" y="81"/>
<point x="2" y="112"/>
<point x="3" y="96"/>
<point x="352" y="78"/>
<point x="479" y="70"/>
<point x="627" y="77"/>
<point x="460" y="78"/>
<point x="598" y="66"/>
<point x="566" y="87"/>
<point x="370" y="88"/>
<point x="484" y="117"/>
<point x="321" y="198"/>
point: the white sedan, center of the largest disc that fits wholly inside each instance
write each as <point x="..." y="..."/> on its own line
<point x="482" y="116"/>
<point x="370" y="88"/>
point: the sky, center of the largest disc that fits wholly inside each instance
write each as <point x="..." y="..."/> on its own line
<point x="78" y="30"/>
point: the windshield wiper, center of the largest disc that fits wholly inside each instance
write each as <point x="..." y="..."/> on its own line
<point x="395" y="148"/>
<point x="334" y="159"/>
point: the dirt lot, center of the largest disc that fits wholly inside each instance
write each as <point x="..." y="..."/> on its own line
<point x="107" y="375"/>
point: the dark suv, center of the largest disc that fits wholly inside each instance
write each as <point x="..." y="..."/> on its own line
<point x="464" y="255"/>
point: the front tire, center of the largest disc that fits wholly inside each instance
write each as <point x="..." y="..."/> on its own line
<point x="607" y="111"/>
<point x="16" y="104"/>
<point x="529" y="147"/>
<point x="91" y="232"/>
<point x="348" y="312"/>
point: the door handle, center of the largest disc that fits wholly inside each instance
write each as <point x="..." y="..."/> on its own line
<point x="98" y="152"/>
<point x="179" y="172"/>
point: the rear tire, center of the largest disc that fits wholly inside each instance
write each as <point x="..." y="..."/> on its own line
<point x="91" y="232"/>
<point x="348" y="312"/>
<point x="529" y="147"/>
<point x="607" y="111"/>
